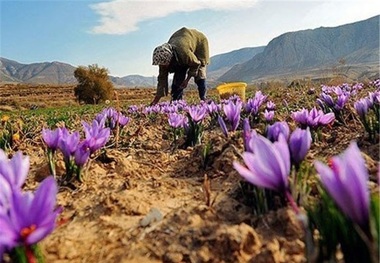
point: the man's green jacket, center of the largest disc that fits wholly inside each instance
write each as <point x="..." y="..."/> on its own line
<point x="191" y="47"/>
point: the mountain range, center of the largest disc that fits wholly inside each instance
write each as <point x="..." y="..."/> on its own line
<point x="58" y="73"/>
<point x="220" y="64"/>
<point x="351" y="50"/>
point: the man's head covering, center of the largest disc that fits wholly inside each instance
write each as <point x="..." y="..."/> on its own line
<point x="162" y="55"/>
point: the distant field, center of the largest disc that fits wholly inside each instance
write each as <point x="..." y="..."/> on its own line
<point x="29" y="96"/>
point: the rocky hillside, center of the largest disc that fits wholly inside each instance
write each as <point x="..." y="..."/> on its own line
<point x="220" y="64"/>
<point x="42" y="73"/>
<point x="58" y="73"/>
<point x="134" y="81"/>
<point x="353" y="45"/>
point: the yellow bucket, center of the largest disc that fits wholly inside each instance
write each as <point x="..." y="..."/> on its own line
<point x="234" y="88"/>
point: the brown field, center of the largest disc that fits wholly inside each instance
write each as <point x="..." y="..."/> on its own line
<point x="24" y="96"/>
<point x="147" y="202"/>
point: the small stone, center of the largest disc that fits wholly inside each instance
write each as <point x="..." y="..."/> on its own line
<point x="172" y="257"/>
<point x="294" y="247"/>
<point x="204" y="254"/>
<point x="154" y="215"/>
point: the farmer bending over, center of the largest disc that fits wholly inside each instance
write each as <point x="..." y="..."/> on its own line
<point x="186" y="55"/>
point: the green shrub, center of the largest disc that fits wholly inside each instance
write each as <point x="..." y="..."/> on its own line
<point x="94" y="85"/>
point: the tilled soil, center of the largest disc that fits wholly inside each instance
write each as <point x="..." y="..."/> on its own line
<point x="147" y="201"/>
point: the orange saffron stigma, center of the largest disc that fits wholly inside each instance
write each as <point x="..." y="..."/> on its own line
<point x="26" y="231"/>
<point x="330" y="162"/>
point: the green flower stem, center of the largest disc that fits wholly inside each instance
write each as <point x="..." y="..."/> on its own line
<point x="70" y="169"/>
<point x="194" y="134"/>
<point x="175" y="136"/>
<point x="295" y="174"/>
<point x="27" y="254"/>
<point x="79" y="174"/>
<point x="51" y="161"/>
<point x="376" y="109"/>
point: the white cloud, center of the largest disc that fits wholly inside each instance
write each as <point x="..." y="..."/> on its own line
<point x="123" y="16"/>
<point x="339" y="12"/>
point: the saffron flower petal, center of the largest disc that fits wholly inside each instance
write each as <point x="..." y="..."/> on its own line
<point x="51" y="138"/>
<point x="269" y="164"/>
<point x="223" y="126"/>
<point x="299" y="144"/>
<point x="274" y="130"/>
<point x="15" y="170"/>
<point x="346" y="182"/>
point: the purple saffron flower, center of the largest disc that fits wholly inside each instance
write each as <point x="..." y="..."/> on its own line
<point x="312" y="119"/>
<point x="346" y="182"/>
<point x="14" y="170"/>
<point x="327" y="99"/>
<point x="299" y="144"/>
<point x="114" y="117"/>
<point x="51" y="138"/>
<point x="301" y="116"/>
<point x="96" y="135"/>
<point x="212" y="107"/>
<point x="95" y="143"/>
<point x="274" y="130"/>
<point x="102" y="117"/>
<point x="253" y="104"/>
<point x="197" y="114"/>
<point x="232" y="111"/>
<point x="170" y="108"/>
<point x="268" y="115"/>
<point x="269" y="164"/>
<point x="31" y="217"/>
<point x="133" y="108"/>
<point x="271" y="106"/>
<point x="176" y="120"/>
<point x="68" y="143"/>
<point x="121" y="119"/>
<point x="325" y="89"/>
<point x="341" y="101"/>
<point x="110" y="117"/>
<point x="343" y="88"/>
<point x="82" y="154"/>
<point x="361" y="107"/>
<point x="223" y="126"/>
<point x="92" y="130"/>
<point x="323" y="119"/>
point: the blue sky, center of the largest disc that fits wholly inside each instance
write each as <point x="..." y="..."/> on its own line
<point x="121" y="34"/>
